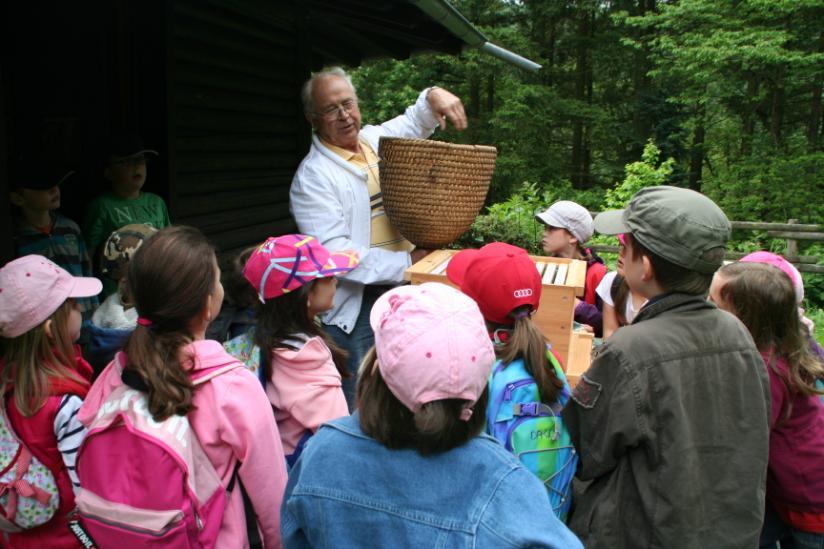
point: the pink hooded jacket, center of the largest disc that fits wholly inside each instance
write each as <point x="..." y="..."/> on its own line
<point x="233" y="422"/>
<point x="305" y="389"/>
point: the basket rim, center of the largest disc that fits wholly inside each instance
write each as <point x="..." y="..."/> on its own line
<point x="431" y="143"/>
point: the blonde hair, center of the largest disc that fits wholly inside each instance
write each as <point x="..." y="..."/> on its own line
<point x="32" y="359"/>
<point x="528" y="343"/>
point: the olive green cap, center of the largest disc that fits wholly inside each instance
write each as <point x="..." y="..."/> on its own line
<point x="680" y="225"/>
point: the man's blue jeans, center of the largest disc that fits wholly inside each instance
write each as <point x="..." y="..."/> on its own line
<point x="359" y="341"/>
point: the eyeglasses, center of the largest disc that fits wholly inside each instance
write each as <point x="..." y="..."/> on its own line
<point x="333" y="111"/>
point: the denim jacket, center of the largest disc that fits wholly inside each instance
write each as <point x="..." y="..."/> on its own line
<point x="476" y="495"/>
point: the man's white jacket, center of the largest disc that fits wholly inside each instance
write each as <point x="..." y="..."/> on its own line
<point x="330" y="201"/>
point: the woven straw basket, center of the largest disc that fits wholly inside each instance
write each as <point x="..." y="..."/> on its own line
<point x="432" y="191"/>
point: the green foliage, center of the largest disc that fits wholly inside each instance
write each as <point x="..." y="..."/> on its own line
<point x="817" y="316"/>
<point x="729" y="92"/>
<point x="646" y="173"/>
<point x="513" y="220"/>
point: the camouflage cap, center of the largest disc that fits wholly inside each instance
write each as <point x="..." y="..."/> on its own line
<point x="121" y="246"/>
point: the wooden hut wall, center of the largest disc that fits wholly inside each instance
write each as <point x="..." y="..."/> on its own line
<point x="235" y="132"/>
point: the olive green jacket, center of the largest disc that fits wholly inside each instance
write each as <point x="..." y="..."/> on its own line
<point x="671" y="422"/>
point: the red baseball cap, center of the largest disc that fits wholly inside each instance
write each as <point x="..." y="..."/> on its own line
<point x="499" y="277"/>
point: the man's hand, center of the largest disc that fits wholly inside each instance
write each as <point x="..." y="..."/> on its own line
<point x="419" y="253"/>
<point x="447" y="106"/>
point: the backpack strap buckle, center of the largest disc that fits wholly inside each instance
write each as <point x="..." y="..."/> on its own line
<point x="532" y="409"/>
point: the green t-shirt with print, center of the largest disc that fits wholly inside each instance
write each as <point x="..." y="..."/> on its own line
<point x="108" y="212"/>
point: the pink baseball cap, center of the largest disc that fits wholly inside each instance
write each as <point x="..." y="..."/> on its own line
<point x="285" y="263"/>
<point x="32" y="288"/>
<point x="432" y="344"/>
<point x="778" y="261"/>
<point x="499" y="277"/>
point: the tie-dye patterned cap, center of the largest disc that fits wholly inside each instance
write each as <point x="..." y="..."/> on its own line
<point x="285" y="263"/>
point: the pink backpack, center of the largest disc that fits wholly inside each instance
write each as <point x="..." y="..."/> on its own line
<point x="146" y="482"/>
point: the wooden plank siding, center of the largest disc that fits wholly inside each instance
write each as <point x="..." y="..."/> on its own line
<point x="236" y="131"/>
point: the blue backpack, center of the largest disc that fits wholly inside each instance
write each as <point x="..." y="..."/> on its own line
<point x="533" y="430"/>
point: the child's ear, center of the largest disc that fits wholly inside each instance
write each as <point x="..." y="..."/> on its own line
<point x="47" y="327"/>
<point x="107" y="173"/>
<point x="649" y="271"/>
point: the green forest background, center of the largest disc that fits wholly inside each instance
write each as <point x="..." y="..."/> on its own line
<point x="721" y="96"/>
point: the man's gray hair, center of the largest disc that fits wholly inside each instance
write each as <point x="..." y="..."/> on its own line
<point x="306" y="90"/>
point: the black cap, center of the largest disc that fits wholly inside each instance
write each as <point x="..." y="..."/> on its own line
<point x="39" y="172"/>
<point x="125" y="145"/>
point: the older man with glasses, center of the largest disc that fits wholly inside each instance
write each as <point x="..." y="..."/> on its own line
<point x="336" y="197"/>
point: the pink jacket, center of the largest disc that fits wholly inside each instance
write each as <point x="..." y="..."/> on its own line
<point x="233" y="422"/>
<point x="305" y="390"/>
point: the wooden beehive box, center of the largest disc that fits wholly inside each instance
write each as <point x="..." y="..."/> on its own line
<point x="563" y="281"/>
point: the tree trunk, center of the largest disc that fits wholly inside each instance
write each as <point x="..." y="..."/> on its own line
<point x="490" y="93"/>
<point x="748" y="118"/>
<point x="578" y="161"/>
<point x="697" y="155"/>
<point x="814" y="121"/>
<point x="777" y="107"/>
<point x="473" y="108"/>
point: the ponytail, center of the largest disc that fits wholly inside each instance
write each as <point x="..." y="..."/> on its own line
<point x="170" y="279"/>
<point x="153" y="357"/>
<point x="528" y="343"/>
<point x="619" y="291"/>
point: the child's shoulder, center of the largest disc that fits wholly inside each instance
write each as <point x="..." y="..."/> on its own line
<point x="306" y="352"/>
<point x="151" y="198"/>
<point x="65" y="223"/>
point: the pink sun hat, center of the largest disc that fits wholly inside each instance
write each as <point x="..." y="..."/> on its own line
<point x="432" y="344"/>
<point x="32" y="288"/>
<point x="285" y="263"/>
<point x="778" y="261"/>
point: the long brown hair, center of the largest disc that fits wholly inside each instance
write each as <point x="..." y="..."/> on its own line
<point x="282" y="318"/>
<point x="763" y="298"/>
<point x="32" y="359"/>
<point x="528" y="343"/>
<point x="437" y="427"/>
<point x="170" y="279"/>
<point x="619" y="291"/>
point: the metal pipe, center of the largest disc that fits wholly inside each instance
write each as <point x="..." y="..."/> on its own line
<point x="445" y="14"/>
<point x="510" y="57"/>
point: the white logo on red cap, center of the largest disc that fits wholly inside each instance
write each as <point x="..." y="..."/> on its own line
<point x="525" y="292"/>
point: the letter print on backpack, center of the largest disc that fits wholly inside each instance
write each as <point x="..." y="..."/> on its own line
<point x="148" y="482"/>
<point x="532" y="430"/>
<point x="28" y="489"/>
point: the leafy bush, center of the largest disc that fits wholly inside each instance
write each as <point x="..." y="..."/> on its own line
<point x="637" y="175"/>
<point x="513" y="220"/>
